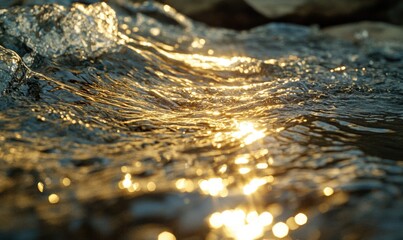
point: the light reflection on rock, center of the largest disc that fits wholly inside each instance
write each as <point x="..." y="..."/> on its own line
<point x="52" y="30"/>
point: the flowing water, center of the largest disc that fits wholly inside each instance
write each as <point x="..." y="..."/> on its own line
<point x="143" y="124"/>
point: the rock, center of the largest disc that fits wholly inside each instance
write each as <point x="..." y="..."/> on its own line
<point x="11" y="68"/>
<point x="246" y="14"/>
<point x="275" y="8"/>
<point x="377" y="31"/>
<point x="16" y="79"/>
<point x="278" y="8"/>
<point x="235" y="14"/>
<point x="326" y="13"/>
<point x="54" y="30"/>
<point x="192" y="7"/>
<point x="10" y="3"/>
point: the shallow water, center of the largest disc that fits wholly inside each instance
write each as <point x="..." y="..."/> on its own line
<point x="149" y="125"/>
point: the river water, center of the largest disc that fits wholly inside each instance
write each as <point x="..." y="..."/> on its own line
<point x="142" y="124"/>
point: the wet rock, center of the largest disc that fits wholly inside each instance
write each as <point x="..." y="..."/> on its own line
<point x="277" y="8"/>
<point x="11" y="68"/>
<point x="192" y="7"/>
<point x="245" y="14"/>
<point x="236" y="14"/>
<point x="273" y="8"/>
<point x="378" y="31"/>
<point x="53" y="30"/>
<point x="16" y="77"/>
<point x="7" y="4"/>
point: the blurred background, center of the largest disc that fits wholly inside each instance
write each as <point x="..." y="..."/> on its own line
<point x="245" y="14"/>
<point x="381" y="20"/>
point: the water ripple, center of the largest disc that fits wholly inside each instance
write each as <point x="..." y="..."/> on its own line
<point x="148" y="121"/>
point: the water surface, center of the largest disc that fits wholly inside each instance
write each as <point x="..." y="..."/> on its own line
<point x="145" y="124"/>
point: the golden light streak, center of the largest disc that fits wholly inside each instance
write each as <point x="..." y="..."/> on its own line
<point x="239" y="63"/>
<point x="205" y="62"/>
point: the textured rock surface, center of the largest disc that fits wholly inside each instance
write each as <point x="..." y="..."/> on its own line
<point x="10" y="3"/>
<point x="53" y="30"/>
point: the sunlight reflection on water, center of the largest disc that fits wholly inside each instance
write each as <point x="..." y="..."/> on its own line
<point x="241" y="224"/>
<point x="245" y="133"/>
<point x="181" y="131"/>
